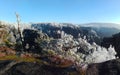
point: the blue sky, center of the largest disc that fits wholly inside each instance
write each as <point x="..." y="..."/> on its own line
<point x="70" y="11"/>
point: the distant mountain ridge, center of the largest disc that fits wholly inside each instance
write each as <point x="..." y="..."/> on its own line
<point x="94" y="32"/>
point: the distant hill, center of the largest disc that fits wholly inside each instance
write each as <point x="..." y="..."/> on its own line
<point x="104" y="29"/>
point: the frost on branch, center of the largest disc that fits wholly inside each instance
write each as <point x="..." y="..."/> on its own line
<point x="100" y="54"/>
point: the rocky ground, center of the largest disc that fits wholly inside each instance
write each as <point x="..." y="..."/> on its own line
<point x="7" y="67"/>
<point x="25" y="64"/>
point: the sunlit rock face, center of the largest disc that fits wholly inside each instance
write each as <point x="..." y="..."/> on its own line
<point x="7" y="37"/>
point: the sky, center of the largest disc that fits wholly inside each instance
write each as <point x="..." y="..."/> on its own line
<point x="67" y="11"/>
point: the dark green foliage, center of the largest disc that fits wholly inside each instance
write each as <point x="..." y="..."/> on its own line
<point x="32" y="39"/>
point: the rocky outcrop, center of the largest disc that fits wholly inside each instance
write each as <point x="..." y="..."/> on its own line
<point x="7" y="37"/>
<point x="25" y="68"/>
<point x="111" y="67"/>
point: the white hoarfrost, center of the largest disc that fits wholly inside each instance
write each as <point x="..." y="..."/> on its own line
<point x="96" y="53"/>
<point x="80" y="50"/>
<point x="100" y="54"/>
